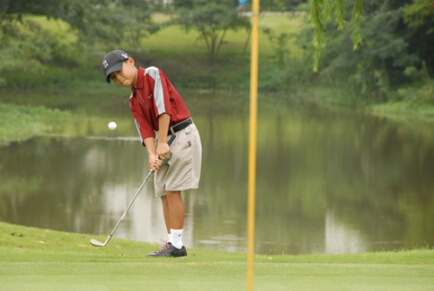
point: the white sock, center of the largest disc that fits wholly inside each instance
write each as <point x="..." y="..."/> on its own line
<point x="176" y="238"/>
<point x="169" y="237"/>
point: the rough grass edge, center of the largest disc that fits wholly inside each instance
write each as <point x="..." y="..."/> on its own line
<point x="26" y="244"/>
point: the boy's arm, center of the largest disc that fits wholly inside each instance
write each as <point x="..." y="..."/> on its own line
<point x="163" y="148"/>
<point x="143" y="124"/>
<point x="154" y="162"/>
<point x="156" y="155"/>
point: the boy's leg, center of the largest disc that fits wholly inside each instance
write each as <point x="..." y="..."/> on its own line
<point x="173" y="210"/>
<point x="176" y="209"/>
<point x="165" y="203"/>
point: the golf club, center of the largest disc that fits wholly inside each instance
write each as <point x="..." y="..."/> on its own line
<point x="100" y="244"/>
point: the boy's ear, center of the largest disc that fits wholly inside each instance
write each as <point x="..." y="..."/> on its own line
<point x="131" y="61"/>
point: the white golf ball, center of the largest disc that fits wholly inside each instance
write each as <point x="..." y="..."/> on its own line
<point x="112" y="125"/>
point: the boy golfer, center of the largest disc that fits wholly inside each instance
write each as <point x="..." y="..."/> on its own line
<point x="157" y="107"/>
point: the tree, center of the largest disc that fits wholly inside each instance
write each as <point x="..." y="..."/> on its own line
<point x="212" y="19"/>
<point x="323" y="11"/>
<point x="20" y="45"/>
<point x="420" y="13"/>
<point x="380" y="60"/>
<point x="25" y="45"/>
<point x="107" y="20"/>
<point x="419" y="16"/>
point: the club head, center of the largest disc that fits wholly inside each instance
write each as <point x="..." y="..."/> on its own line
<point x="96" y="243"/>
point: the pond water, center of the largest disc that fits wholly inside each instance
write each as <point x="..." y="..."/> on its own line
<point x="326" y="183"/>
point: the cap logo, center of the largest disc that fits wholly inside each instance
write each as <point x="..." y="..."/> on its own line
<point x="125" y="56"/>
<point x="105" y="64"/>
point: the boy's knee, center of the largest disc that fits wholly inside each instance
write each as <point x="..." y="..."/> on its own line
<point x="173" y="193"/>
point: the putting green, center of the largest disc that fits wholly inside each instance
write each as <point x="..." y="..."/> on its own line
<point x="38" y="259"/>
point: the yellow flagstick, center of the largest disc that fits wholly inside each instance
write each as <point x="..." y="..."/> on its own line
<point x="252" y="144"/>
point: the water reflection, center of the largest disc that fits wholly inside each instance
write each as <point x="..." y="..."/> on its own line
<point x="326" y="183"/>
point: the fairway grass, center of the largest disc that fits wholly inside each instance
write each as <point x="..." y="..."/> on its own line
<point x="39" y="259"/>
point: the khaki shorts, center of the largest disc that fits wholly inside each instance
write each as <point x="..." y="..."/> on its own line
<point x="181" y="169"/>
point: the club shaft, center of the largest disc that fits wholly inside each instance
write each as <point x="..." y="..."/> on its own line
<point x="129" y="206"/>
<point x="134" y="198"/>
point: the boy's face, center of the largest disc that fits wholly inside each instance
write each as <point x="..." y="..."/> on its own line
<point x="127" y="76"/>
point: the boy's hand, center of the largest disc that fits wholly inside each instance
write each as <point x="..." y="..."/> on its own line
<point x="154" y="162"/>
<point x="163" y="150"/>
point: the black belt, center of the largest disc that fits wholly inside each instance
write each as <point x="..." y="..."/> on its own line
<point x="179" y="126"/>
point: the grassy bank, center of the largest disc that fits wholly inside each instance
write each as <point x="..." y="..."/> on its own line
<point x="22" y="122"/>
<point x="26" y="115"/>
<point x="39" y="259"/>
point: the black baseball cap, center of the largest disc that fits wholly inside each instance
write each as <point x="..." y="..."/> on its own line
<point x="113" y="62"/>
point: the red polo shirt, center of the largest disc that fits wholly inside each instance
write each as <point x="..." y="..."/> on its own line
<point x="153" y="96"/>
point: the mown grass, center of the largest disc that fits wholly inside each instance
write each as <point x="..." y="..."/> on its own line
<point x="39" y="259"/>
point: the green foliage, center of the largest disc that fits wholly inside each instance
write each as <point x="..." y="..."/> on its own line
<point x="108" y="20"/>
<point x="420" y="96"/>
<point x="419" y="16"/>
<point x="420" y="13"/>
<point x="280" y="46"/>
<point x="13" y="10"/>
<point x="417" y="75"/>
<point x="26" y="45"/>
<point x="380" y="60"/>
<point x="322" y="12"/>
<point x="357" y="13"/>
